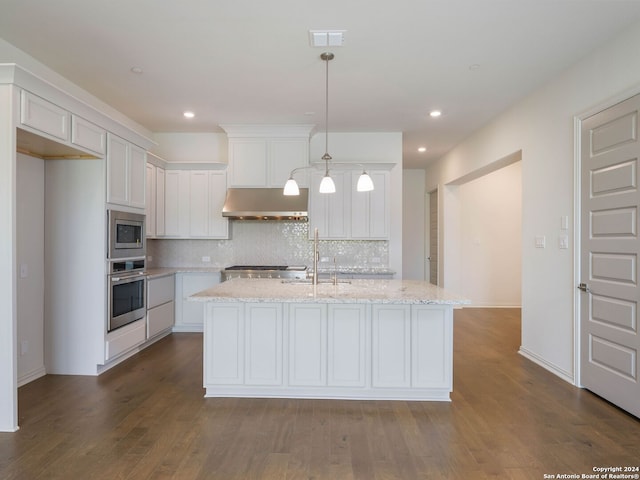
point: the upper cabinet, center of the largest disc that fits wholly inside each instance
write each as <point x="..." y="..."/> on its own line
<point x="44" y="116"/>
<point x="264" y="155"/>
<point x="126" y="173"/>
<point x="51" y="121"/>
<point x="193" y="204"/>
<point x="348" y="214"/>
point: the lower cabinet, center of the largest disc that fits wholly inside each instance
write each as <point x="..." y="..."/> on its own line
<point x="190" y="315"/>
<point x="124" y="339"/>
<point x="335" y="350"/>
<point x="160" y="305"/>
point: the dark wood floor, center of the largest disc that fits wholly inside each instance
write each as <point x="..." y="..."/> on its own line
<point x="147" y="419"/>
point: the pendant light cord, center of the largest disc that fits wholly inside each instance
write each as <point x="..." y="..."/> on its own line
<point x="326" y="157"/>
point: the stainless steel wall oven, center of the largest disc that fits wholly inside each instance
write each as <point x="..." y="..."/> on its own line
<point x="127" y="292"/>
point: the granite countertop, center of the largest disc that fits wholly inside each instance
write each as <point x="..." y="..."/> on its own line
<point x="164" y="271"/>
<point x="355" y="291"/>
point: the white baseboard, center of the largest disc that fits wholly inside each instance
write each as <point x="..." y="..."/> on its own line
<point x="559" y="372"/>
<point x="31" y="376"/>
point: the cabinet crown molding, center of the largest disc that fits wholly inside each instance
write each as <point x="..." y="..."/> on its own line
<point x="268" y="131"/>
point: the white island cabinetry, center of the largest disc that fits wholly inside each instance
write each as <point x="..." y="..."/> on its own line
<point x="328" y="341"/>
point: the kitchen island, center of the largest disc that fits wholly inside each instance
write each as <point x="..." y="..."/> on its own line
<point x="362" y="339"/>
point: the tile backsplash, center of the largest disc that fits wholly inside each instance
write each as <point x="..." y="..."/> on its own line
<point x="267" y="243"/>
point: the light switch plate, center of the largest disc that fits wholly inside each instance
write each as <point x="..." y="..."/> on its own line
<point x="563" y="241"/>
<point x="541" y="241"/>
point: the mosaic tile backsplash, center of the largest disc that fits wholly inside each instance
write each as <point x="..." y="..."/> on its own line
<point x="267" y="243"/>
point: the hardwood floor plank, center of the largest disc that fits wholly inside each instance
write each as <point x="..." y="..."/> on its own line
<point x="148" y="419"/>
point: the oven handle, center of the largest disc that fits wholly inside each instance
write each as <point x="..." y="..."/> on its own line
<point x="128" y="278"/>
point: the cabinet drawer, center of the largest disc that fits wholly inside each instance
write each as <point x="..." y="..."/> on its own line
<point x="160" y="318"/>
<point x="160" y="290"/>
<point x="87" y="135"/>
<point x="35" y="112"/>
<point x="125" y="338"/>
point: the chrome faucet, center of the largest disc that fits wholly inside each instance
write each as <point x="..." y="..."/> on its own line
<point x="316" y="257"/>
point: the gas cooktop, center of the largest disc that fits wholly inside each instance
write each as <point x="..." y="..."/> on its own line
<point x="264" y="271"/>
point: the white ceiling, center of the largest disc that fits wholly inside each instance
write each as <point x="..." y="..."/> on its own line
<point x="250" y="61"/>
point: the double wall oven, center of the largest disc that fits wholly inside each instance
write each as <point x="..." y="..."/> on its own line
<point x="126" y="258"/>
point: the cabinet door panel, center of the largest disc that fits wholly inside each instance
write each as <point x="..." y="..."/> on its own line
<point x="263" y="348"/>
<point x="160" y="319"/>
<point x="223" y="335"/>
<point x="160" y="201"/>
<point x="307" y="345"/>
<point x="432" y="346"/>
<point x="117" y="170"/>
<point x="87" y="135"/>
<point x="284" y="156"/>
<point x="248" y="163"/>
<point x="176" y="203"/>
<point x="329" y="212"/>
<point x="42" y="115"/>
<point x="391" y="346"/>
<point x="198" y="203"/>
<point x="151" y="201"/>
<point x="347" y="345"/>
<point x="137" y="176"/>
<point x="193" y="312"/>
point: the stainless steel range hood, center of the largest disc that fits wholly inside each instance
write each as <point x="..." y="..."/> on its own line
<point x="265" y="204"/>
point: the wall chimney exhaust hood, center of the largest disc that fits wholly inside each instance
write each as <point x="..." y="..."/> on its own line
<point x="265" y="204"/>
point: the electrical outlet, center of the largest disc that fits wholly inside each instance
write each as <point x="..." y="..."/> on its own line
<point x="206" y="259"/>
<point x="24" y="270"/>
<point x="375" y="259"/>
<point x="24" y="347"/>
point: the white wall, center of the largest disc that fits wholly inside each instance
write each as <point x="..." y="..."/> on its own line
<point x="413" y="224"/>
<point x="30" y="264"/>
<point x="542" y="127"/>
<point x="491" y="239"/>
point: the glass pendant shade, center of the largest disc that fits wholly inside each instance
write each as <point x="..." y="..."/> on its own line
<point x="365" y="184"/>
<point x="291" y="187"/>
<point x="327" y="185"/>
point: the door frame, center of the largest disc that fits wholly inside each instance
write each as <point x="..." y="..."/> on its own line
<point x="577" y="212"/>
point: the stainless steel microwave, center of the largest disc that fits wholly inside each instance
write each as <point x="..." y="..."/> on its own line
<point x="126" y="234"/>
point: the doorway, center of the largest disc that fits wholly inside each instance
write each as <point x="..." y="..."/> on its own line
<point x="431" y="266"/>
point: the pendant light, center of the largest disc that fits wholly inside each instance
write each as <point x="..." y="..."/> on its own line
<point x="327" y="185"/>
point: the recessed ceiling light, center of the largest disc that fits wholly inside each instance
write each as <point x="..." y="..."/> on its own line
<point x="435" y="113"/>
<point x="136" y="70"/>
<point x="422" y="149"/>
<point x="189" y="114"/>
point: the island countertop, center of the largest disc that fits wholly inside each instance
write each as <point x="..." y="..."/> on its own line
<point x="354" y="291"/>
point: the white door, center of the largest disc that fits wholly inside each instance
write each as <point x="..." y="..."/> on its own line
<point x="610" y="249"/>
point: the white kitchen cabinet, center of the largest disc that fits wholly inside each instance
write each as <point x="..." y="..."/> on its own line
<point x="88" y="135"/>
<point x="44" y="116"/>
<point x="307" y="344"/>
<point x="348" y="214"/>
<point x="391" y="346"/>
<point x="370" y="211"/>
<point x="263" y="344"/>
<point x="190" y="315"/>
<point x="126" y="173"/>
<point x="155" y="201"/>
<point x="124" y="339"/>
<point x="431" y="347"/>
<point x="151" y="191"/>
<point x="266" y="162"/>
<point x="330" y="212"/>
<point x="176" y="213"/>
<point x="193" y="204"/>
<point x="206" y="198"/>
<point x="224" y="334"/>
<point x="160" y="305"/>
<point x="246" y="344"/>
<point x="347" y="345"/>
<point x="160" y="201"/>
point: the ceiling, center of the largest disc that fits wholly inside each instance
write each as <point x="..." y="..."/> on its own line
<point x="251" y="62"/>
